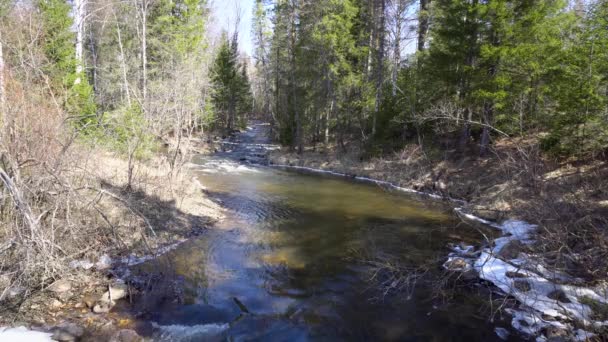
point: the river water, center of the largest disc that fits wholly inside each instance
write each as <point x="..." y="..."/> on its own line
<point x="295" y="261"/>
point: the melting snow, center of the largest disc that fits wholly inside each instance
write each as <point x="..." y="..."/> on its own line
<point x="22" y="334"/>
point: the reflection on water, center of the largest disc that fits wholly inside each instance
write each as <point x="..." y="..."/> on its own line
<point x="284" y="266"/>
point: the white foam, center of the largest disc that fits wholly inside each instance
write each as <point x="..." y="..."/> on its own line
<point x="22" y="334"/>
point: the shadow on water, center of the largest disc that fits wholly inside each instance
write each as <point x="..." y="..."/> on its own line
<point x="293" y="263"/>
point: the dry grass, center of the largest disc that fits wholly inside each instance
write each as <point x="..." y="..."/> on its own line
<point x="62" y="201"/>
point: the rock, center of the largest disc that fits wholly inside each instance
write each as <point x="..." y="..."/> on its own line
<point x="559" y="296"/>
<point x="115" y="292"/>
<point x="103" y="307"/>
<point x="515" y="275"/>
<point x="126" y="335"/>
<point x="555" y="334"/>
<point x="67" y="332"/>
<point x="63" y="336"/>
<point x="511" y="250"/>
<point x="106" y="302"/>
<point x="456" y="264"/>
<point x="89" y="301"/>
<point x="522" y="285"/>
<point x="55" y="303"/>
<point x="60" y="286"/>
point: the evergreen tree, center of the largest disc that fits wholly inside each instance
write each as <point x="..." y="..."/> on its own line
<point x="231" y="89"/>
<point x="59" y="47"/>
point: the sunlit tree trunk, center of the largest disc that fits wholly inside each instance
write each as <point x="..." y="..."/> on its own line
<point x="79" y="21"/>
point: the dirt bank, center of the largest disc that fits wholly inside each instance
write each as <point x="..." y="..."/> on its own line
<point x="120" y="225"/>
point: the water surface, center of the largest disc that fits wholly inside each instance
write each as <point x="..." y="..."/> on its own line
<point x="291" y="261"/>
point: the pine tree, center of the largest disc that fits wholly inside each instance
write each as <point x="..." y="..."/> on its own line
<point x="231" y="88"/>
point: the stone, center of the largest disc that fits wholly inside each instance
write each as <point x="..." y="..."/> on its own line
<point x="511" y="250"/>
<point x="67" y="332"/>
<point x="60" y="286"/>
<point x="522" y="285"/>
<point x="89" y="301"/>
<point x="456" y="264"/>
<point x="103" y="306"/>
<point x="55" y="303"/>
<point x="126" y="335"/>
<point x="115" y="292"/>
<point x="63" y="336"/>
<point x="559" y="296"/>
<point x="515" y="275"/>
<point x="555" y="334"/>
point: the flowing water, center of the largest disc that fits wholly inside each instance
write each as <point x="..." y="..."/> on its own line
<point x="292" y="260"/>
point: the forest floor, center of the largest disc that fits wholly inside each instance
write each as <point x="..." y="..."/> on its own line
<point x="171" y="203"/>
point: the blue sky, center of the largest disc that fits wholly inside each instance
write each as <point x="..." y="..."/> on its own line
<point x="225" y="12"/>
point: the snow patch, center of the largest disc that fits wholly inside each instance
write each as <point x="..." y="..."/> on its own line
<point x="541" y="297"/>
<point x="22" y="334"/>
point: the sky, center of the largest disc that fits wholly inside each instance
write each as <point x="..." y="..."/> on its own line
<point x="225" y="13"/>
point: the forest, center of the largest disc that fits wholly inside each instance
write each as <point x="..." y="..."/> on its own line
<point x="498" y="108"/>
<point x="480" y="70"/>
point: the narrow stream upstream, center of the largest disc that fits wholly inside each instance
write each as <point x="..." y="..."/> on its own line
<point x="287" y="263"/>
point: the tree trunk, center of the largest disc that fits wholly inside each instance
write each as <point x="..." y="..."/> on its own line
<point x="79" y="17"/>
<point x="423" y="23"/>
<point x="380" y="63"/>
<point x="144" y="50"/>
<point x="298" y="119"/>
<point x="94" y="57"/>
<point x="123" y="64"/>
<point x="397" y="43"/>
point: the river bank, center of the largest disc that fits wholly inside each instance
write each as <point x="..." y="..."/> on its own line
<point x="561" y="293"/>
<point x="122" y="225"/>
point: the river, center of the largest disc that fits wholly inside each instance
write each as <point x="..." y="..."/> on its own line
<point x="296" y="260"/>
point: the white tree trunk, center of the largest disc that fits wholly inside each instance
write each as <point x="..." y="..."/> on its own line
<point x="79" y="18"/>
<point x="123" y="63"/>
<point x="144" y="49"/>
